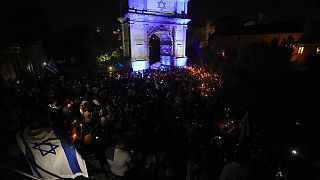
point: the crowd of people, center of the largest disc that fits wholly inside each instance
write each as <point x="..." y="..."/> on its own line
<point x="153" y="125"/>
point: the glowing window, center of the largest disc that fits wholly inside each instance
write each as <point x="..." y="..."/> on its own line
<point x="318" y="50"/>
<point x="98" y="29"/>
<point x="222" y="53"/>
<point x="300" y="51"/>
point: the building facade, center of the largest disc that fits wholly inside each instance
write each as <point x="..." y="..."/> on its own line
<point x="165" y="19"/>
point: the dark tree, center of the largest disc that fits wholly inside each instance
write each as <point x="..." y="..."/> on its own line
<point x="312" y="63"/>
<point x="22" y="22"/>
<point x="258" y="80"/>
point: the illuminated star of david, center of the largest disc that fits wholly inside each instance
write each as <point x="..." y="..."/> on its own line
<point x="161" y="5"/>
<point x="45" y="147"/>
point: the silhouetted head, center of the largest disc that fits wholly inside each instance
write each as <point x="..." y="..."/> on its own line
<point x="241" y="153"/>
<point x="121" y="143"/>
<point x="39" y="116"/>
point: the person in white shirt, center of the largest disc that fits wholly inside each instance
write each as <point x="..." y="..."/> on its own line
<point x="237" y="170"/>
<point x="118" y="160"/>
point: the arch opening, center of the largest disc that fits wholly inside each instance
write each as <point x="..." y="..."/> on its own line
<point x="163" y="52"/>
<point x="154" y="49"/>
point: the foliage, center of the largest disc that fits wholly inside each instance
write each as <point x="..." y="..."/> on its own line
<point x="264" y="59"/>
<point x="84" y="44"/>
<point x="103" y="46"/>
<point x="257" y="78"/>
<point x="108" y="56"/>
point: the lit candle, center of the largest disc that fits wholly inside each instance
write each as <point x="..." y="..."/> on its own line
<point x="81" y="130"/>
<point x="74" y="136"/>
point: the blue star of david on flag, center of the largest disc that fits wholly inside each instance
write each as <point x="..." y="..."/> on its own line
<point x="161" y="5"/>
<point x="45" y="147"/>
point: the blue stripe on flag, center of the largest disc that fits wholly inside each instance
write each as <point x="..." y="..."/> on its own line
<point x="31" y="158"/>
<point x="70" y="152"/>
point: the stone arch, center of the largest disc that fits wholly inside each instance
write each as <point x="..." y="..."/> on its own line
<point x="154" y="49"/>
<point x="166" y="44"/>
<point x="164" y="18"/>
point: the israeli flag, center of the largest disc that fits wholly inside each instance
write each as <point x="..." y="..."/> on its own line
<point x="49" y="155"/>
<point x="245" y="128"/>
<point x="52" y="67"/>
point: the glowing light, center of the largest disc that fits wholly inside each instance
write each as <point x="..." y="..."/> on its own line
<point x="74" y="136"/>
<point x="294" y="152"/>
<point x="222" y="53"/>
<point x="108" y="56"/>
<point x="300" y="51"/>
<point x="207" y="81"/>
<point x="181" y="62"/>
<point x="98" y="29"/>
<point x="166" y="60"/>
<point x="160" y="6"/>
<point x="44" y="63"/>
<point x="139" y="65"/>
<point x="280" y="174"/>
<point x="318" y="50"/>
<point x="227" y="125"/>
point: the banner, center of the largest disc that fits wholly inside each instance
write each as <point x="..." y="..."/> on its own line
<point x="52" y="67"/>
<point x="49" y="155"/>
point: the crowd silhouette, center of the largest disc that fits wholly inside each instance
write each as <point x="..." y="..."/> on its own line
<point x="173" y="123"/>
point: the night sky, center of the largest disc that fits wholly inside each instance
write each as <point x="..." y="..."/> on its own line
<point x="34" y="17"/>
<point x="276" y="9"/>
<point x="60" y="13"/>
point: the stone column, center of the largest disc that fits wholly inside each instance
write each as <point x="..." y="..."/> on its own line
<point x="146" y="39"/>
<point x="185" y="27"/>
<point x="186" y="7"/>
<point x="123" y="40"/>
<point x="174" y="41"/>
<point x="131" y="26"/>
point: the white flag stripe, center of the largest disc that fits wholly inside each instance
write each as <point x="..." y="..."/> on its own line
<point x="53" y="154"/>
<point x="51" y="66"/>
